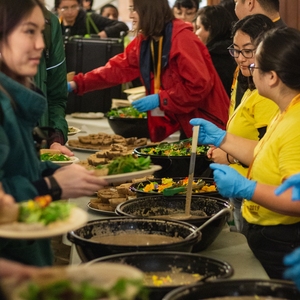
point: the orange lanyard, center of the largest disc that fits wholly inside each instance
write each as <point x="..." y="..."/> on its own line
<point x="270" y="132"/>
<point x="157" y="69"/>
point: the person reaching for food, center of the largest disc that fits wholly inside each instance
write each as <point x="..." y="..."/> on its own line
<point x="174" y="66"/>
<point x="22" y="173"/>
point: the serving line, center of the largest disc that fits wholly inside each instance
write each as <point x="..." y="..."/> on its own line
<point x="231" y="247"/>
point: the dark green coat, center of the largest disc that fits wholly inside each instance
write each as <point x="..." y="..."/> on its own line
<point x="19" y="163"/>
<point x="52" y="79"/>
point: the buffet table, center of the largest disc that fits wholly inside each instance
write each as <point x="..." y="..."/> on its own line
<point x="229" y="246"/>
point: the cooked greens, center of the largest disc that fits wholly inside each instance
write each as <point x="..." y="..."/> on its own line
<point x="126" y="112"/>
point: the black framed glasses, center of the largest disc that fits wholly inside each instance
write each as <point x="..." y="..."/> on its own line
<point x="247" y="53"/>
<point x="251" y="68"/>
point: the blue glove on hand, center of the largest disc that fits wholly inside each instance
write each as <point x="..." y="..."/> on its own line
<point x="69" y="87"/>
<point x="209" y="133"/>
<point x="292" y="260"/>
<point x="146" y="103"/>
<point x="231" y="184"/>
<point x="293" y="181"/>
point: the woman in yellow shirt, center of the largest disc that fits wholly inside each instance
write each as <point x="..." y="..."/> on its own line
<point x="273" y="221"/>
<point x="255" y="112"/>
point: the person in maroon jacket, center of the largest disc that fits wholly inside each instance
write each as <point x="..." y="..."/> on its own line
<point x="174" y="66"/>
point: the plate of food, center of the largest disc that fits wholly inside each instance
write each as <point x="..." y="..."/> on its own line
<point x="102" y="208"/>
<point x="88" y="115"/>
<point x="57" y="157"/>
<point x="73" y="130"/>
<point x="40" y="218"/>
<point x="98" y="281"/>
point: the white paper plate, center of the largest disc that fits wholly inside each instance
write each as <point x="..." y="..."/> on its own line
<point x="127" y="177"/>
<point x="73" y="130"/>
<point x="73" y="160"/>
<point x="105" y="212"/>
<point x="88" y="115"/>
<point x="77" y="219"/>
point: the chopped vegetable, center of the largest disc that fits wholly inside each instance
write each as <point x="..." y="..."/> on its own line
<point x="126" y="112"/>
<point x="124" y="289"/>
<point x="126" y="164"/>
<point x="182" y="148"/>
<point x="54" y="157"/>
<point x="42" y="210"/>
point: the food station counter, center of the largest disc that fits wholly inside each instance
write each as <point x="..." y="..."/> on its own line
<point x="229" y="246"/>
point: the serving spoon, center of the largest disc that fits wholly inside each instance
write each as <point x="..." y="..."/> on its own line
<point x="225" y="210"/>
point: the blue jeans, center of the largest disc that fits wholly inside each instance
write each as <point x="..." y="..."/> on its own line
<point x="237" y="214"/>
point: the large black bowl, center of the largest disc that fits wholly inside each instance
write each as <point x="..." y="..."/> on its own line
<point x="177" y="166"/>
<point x="129" y="127"/>
<point x="152" y="206"/>
<point x="171" y="262"/>
<point x="89" y="249"/>
<point x="277" y="289"/>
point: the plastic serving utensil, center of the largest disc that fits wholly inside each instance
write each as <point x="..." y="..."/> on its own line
<point x="191" y="171"/>
<point x="189" y="189"/>
<point x="173" y="191"/>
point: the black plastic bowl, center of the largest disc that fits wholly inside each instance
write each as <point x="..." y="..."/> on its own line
<point x="221" y="288"/>
<point x="129" y="127"/>
<point x="177" y="166"/>
<point x="89" y="249"/>
<point x="171" y="262"/>
<point x="152" y="206"/>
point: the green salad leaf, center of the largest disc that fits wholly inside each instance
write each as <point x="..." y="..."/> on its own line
<point x="126" y="112"/>
<point x="54" y="157"/>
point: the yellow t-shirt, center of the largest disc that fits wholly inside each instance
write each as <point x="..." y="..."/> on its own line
<point x="276" y="157"/>
<point x="254" y="112"/>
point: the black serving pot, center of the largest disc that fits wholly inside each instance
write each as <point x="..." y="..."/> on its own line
<point x="129" y="127"/>
<point x="135" y="187"/>
<point x="177" y="166"/>
<point x="277" y="289"/>
<point x="171" y="262"/>
<point x="89" y="249"/>
<point x="152" y="206"/>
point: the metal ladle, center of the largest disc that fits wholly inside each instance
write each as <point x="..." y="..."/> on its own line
<point x="221" y="212"/>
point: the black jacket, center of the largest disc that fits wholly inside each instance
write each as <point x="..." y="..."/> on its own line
<point x="224" y="63"/>
<point x="112" y="28"/>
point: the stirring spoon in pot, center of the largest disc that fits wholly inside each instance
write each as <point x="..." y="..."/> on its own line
<point x="225" y="210"/>
<point x="189" y="190"/>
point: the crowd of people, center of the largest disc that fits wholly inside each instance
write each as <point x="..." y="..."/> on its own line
<point x="235" y="76"/>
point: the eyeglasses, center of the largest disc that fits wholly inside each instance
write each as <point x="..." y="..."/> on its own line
<point x="251" y="68"/>
<point x="131" y="9"/>
<point x="247" y="53"/>
<point x="71" y="8"/>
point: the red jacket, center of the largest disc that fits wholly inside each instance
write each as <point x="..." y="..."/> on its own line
<point x="190" y="85"/>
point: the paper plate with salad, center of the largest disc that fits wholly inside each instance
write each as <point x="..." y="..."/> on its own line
<point x="57" y="157"/>
<point x="40" y="218"/>
<point x="125" y="168"/>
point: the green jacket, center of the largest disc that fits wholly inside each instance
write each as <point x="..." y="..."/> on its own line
<point x="20" y="110"/>
<point x="52" y="78"/>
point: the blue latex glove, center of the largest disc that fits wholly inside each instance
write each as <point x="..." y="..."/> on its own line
<point x="146" y="103"/>
<point x="69" y="87"/>
<point x="209" y="133"/>
<point x="292" y="261"/>
<point x="293" y="181"/>
<point x="231" y="184"/>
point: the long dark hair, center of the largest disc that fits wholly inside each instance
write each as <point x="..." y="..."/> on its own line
<point x="254" y="26"/>
<point x="217" y="20"/>
<point x="186" y="4"/>
<point x="153" y="15"/>
<point x="12" y="12"/>
<point x="280" y="52"/>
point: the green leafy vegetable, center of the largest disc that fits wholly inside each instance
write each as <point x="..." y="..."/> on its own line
<point x="124" y="289"/>
<point x="126" y="164"/>
<point x="54" y="157"/>
<point x="126" y="112"/>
